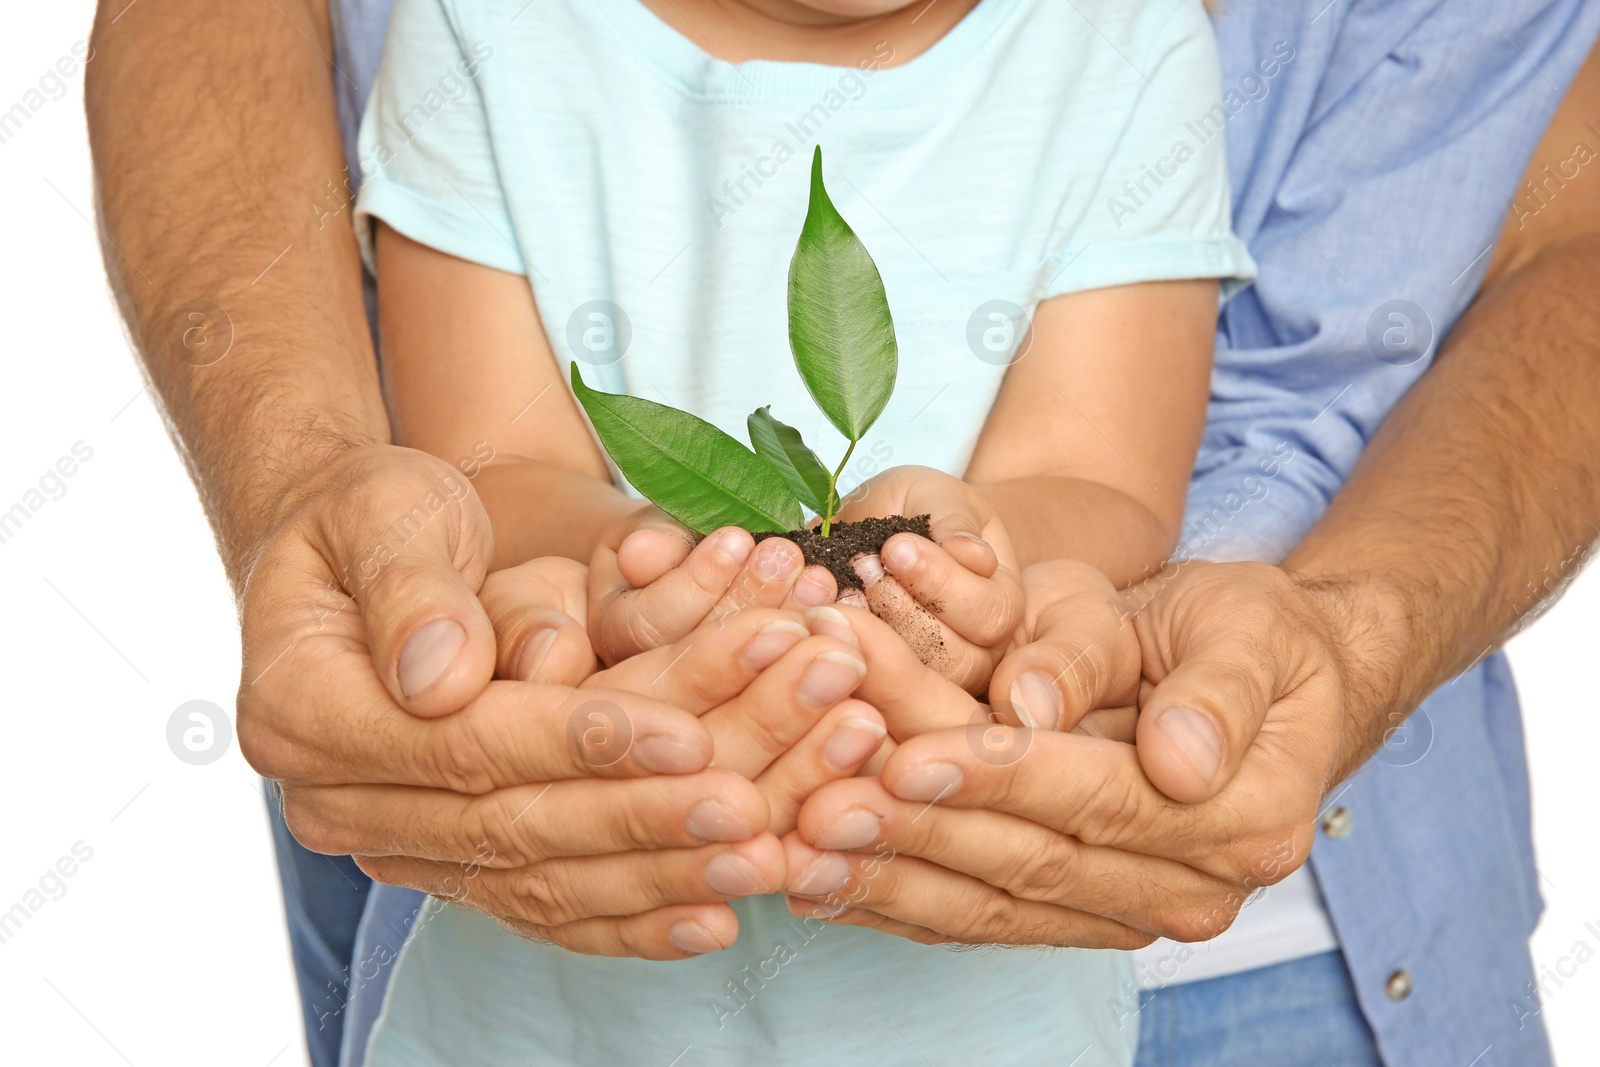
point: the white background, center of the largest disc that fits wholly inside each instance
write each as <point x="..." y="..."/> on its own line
<point x="168" y="946"/>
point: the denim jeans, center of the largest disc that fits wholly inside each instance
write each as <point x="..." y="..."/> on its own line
<point x="1302" y="1013"/>
<point x="323" y="897"/>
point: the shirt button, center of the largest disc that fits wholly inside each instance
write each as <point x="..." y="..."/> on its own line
<point x="1337" y="823"/>
<point x="1399" y="985"/>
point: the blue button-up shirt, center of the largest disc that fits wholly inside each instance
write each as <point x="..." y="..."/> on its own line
<point x="1375" y="147"/>
<point x="1371" y="179"/>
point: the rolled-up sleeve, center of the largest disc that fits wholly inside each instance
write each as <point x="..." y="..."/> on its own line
<point x="1374" y="153"/>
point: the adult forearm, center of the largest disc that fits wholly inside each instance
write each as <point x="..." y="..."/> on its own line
<point x="224" y="208"/>
<point x="1476" y="499"/>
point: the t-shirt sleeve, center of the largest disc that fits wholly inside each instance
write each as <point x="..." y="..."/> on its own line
<point x="1159" y="210"/>
<point x="427" y="164"/>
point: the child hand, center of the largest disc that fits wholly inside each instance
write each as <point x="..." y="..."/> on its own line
<point x="1075" y="664"/>
<point x="774" y="690"/>
<point x="651" y="583"/>
<point x="956" y="599"/>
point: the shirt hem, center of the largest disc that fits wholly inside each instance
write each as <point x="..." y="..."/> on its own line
<point x="1101" y="266"/>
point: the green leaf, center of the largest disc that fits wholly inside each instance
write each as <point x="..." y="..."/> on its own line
<point x="839" y="323"/>
<point x="782" y="446"/>
<point x="686" y="466"/>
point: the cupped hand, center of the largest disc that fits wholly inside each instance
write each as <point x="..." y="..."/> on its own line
<point x="774" y="691"/>
<point x="956" y="598"/>
<point x="387" y="747"/>
<point x="1045" y="837"/>
<point x="613" y="867"/>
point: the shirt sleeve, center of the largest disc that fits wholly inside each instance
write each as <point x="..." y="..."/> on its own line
<point x="1372" y="177"/>
<point x="427" y="163"/>
<point x="1160" y="204"/>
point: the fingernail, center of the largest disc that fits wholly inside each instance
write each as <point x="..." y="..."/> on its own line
<point x="931" y="781"/>
<point x="954" y="526"/>
<point x="776" y="559"/>
<point x="1035" y="700"/>
<point x="709" y="820"/>
<point x="689" y="936"/>
<point x="830" y="622"/>
<point x="899" y="555"/>
<point x="732" y="545"/>
<point x="856" y="828"/>
<point x="534" y="651"/>
<point x="826" y="874"/>
<point x="732" y="875"/>
<point x="429" y="653"/>
<point x="814" y="589"/>
<point x="868" y="568"/>
<point x="852" y="742"/>
<point x="831" y="677"/>
<point x="855" y="598"/>
<point x="666" y="754"/>
<point x="1196" y="739"/>
<point x="771" y="642"/>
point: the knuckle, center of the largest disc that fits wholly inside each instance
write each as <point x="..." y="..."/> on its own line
<point x="458" y="758"/>
<point x="931" y="580"/>
<point x="1201" y="921"/>
<point x="1284" y="855"/>
<point x="630" y="939"/>
<point x="537" y="899"/>
<point x="400" y="583"/>
<point x="994" y="919"/>
<point x="629" y="824"/>
<point x="1116" y="815"/>
<point x="316" y="833"/>
<point x="709" y="577"/>
<point x="771" y="734"/>
<point x="1046" y="874"/>
<point x="1081" y="673"/>
<point x="502" y="824"/>
<point x="639" y="629"/>
<point x="997" y="616"/>
<point x="1126" y="939"/>
<point x="268" y="752"/>
<point x="541" y="935"/>
<point x="378" y="868"/>
<point x="970" y="669"/>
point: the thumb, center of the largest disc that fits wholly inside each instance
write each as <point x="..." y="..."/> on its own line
<point x="1075" y="653"/>
<point x="652" y="548"/>
<point x="538" y="610"/>
<point x="412" y="544"/>
<point x="1197" y="724"/>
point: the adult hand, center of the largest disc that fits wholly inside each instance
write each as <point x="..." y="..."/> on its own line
<point x="366" y="694"/>
<point x="1066" y="839"/>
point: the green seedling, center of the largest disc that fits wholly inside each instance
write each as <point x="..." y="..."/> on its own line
<point x="842" y="337"/>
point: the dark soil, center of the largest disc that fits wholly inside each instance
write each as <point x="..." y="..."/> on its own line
<point x="847" y="540"/>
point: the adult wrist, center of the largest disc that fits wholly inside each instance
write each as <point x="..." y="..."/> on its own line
<point x="1381" y="651"/>
<point x="250" y="520"/>
<point x="331" y="468"/>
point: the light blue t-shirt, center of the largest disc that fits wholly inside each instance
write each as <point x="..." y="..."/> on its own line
<point x="653" y="194"/>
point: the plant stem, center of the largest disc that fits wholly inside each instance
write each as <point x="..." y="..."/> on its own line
<point x="833" y="480"/>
